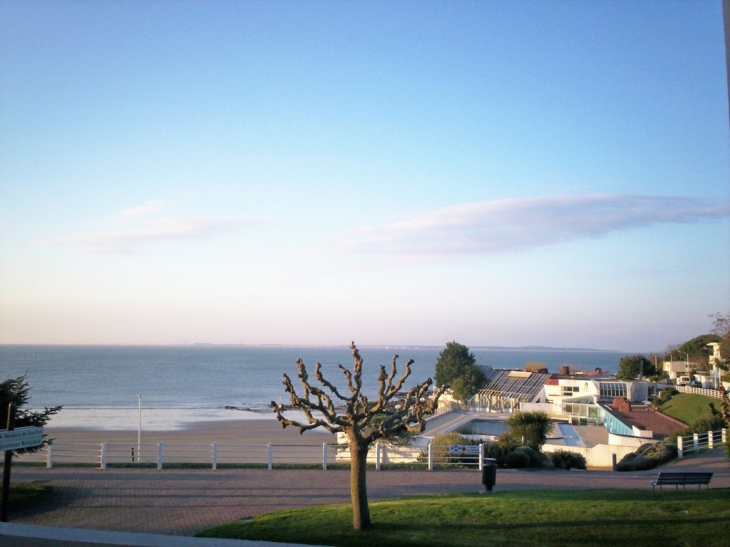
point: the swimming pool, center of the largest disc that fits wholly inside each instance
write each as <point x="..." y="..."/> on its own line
<point x="570" y="435"/>
<point x="483" y="427"/>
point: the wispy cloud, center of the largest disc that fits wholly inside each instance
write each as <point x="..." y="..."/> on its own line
<point x="149" y="230"/>
<point x="149" y="208"/>
<point x="499" y="226"/>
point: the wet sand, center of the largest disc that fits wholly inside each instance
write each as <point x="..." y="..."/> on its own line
<point x="263" y="431"/>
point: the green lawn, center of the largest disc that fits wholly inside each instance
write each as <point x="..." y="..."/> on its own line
<point x="689" y="408"/>
<point x="536" y="517"/>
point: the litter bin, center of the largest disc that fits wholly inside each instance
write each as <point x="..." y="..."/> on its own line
<point x="489" y="474"/>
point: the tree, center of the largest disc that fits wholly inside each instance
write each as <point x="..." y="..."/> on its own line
<point x="696" y="349"/>
<point x="534" y="427"/>
<point x="359" y="414"/>
<point x="15" y="390"/>
<point x="631" y="366"/>
<point x="721" y="324"/>
<point x="456" y="366"/>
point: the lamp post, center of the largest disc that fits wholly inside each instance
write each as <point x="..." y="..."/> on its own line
<point x="139" y="426"/>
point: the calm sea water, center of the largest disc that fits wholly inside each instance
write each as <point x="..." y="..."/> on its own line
<point x="211" y="377"/>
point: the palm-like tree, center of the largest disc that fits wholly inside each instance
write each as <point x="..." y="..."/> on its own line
<point x="533" y="426"/>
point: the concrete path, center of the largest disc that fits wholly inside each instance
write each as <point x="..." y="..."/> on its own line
<point x="183" y="502"/>
<point x="25" y="535"/>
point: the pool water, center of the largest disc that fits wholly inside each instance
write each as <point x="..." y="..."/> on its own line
<point x="483" y="427"/>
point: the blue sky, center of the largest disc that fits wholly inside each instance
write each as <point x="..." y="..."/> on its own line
<point x="498" y="173"/>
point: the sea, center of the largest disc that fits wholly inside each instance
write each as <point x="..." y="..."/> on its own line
<point x="176" y="386"/>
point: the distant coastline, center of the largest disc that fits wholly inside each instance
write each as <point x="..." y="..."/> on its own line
<point x="334" y="346"/>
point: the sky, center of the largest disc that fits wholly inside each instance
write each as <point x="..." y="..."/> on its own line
<point x="394" y="173"/>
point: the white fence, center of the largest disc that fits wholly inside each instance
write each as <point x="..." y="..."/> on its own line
<point x="698" y="441"/>
<point x="714" y="393"/>
<point x="264" y="455"/>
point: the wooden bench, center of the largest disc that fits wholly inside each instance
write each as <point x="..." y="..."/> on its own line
<point x="682" y="478"/>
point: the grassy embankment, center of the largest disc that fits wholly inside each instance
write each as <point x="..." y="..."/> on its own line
<point x="539" y="517"/>
<point x="688" y="407"/>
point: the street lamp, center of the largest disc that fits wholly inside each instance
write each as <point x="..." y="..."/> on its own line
<point x="139" y="428"/>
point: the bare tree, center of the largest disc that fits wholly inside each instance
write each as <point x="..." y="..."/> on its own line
<point x="357" y="417"/>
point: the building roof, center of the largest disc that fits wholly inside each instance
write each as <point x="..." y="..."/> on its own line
<point x="515" y="384"/>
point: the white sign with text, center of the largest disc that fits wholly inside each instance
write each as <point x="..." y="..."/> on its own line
<point x="23" y="437"/>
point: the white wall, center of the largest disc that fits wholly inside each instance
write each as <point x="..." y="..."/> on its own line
<point x="598" y="456"/>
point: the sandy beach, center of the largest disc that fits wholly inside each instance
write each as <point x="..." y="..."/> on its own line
<point x="247" y="431"/>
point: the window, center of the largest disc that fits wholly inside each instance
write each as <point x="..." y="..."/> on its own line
<point x="609" y="390"/>
<point x="570" y="390"/>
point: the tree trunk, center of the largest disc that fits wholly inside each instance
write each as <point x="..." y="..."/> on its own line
<point x="358" y="488"/>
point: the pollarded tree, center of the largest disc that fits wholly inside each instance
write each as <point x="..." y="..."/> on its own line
<point x="359" y="416"/>
<point x="15" y="390"/>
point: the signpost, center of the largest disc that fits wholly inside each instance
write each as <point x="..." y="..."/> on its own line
<point x="23" y="437"/>
<point x="14" y="439"/>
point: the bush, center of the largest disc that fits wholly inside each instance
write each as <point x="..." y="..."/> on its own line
<point x="565" y="459"/>
<point x="533" y="455"/>
<point x="517" y="460"/>
<point x="649" y="456"/>
<point x="634" y="462"/>
<point x="703" y="425"/>
<point x="493" y="450"/>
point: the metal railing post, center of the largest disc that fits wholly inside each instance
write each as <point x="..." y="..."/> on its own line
<point x="215" y="456"/>
<point x="102" y="460"/>
<point x="710" y="439"/>
<point x="271" y="456"/>
<point x="377" y="456"/>
<point x="159" y="455"/>
<point x="324" y="456"/>
<point x="481" y="456"/>
<point x="680" y="446"/>
<point x="696" y="439"/>
<point x="430" y="456"/>
<point x="49" y="457"/>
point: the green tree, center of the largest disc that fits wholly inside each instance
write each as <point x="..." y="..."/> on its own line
<point x="533" y="426"/>
<point x="15" y="390"/>
<point x="630" y="366"/>
<point x="696" y="349"/>
<point x="456" y="367"/>
<point x="358" y="415"/>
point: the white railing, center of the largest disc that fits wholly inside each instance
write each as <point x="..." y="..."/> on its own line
<point x="714" y="393"/>
<point x="265" y="455"/>
<point x="700" y="441"/>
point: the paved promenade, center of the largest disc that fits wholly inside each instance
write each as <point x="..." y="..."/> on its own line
<point x="183" y="502"/>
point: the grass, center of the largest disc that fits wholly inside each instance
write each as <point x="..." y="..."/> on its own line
<point x="688" y="407"/>
<point x="536" y="517"/>
<point x="26" y="494"/>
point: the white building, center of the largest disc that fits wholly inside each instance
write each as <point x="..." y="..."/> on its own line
<point x="560" y="390"/>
